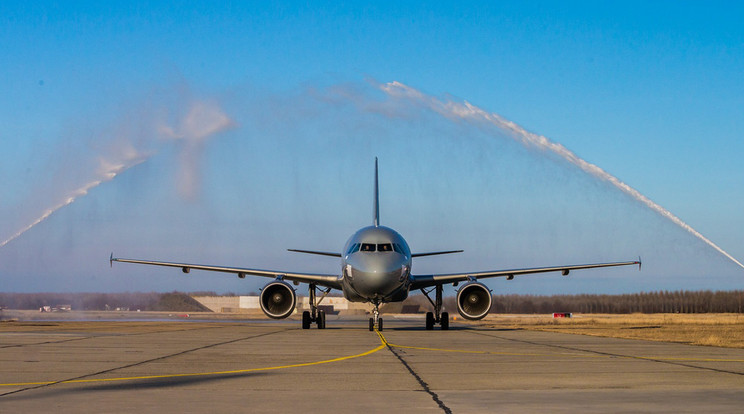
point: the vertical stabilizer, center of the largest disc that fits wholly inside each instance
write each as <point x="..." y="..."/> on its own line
<point x="377" y="198"/>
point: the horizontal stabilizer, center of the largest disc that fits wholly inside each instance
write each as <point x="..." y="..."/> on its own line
<point x="314" y="252"/>
<point x="435" y="253"/>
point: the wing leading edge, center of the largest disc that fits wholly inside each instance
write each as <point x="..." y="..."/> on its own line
<point x="325" y="280"/>
<point x="422" y="281"/>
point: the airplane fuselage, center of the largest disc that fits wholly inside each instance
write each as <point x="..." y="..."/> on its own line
<point x="376" y="266"/>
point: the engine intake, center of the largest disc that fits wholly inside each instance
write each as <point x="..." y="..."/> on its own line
<point x="278" y="299"/>
<point x="474" y="301"/>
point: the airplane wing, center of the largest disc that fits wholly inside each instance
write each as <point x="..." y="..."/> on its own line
<point x="326" y="280"/>
<point x="422" y="281"/>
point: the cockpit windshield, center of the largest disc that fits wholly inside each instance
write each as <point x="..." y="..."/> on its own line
<point x="354" y="248"/>
<point x="384" y="247"/>
<point x="372" y="247"/>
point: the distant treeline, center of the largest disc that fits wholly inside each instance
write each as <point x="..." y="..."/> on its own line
<point x="651" y="302"/>
<point x="145" y="301"/>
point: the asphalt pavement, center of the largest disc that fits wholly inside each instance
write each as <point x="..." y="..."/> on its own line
<point x="265" y="366"/>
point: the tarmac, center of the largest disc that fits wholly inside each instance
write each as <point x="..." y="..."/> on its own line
<point x="268" y="366"/>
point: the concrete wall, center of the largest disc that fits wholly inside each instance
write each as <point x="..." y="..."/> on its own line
<point x="239" y="303"/>
<point x="249" y="302"/>
<point x="217" y="303"/>
<point x="337" y="303"/>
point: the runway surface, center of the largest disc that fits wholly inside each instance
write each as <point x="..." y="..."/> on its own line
<point x="277" y="367"/>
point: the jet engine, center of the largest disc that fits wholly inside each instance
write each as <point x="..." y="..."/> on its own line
<point x="473" y="301"/>
<point x="278" y="299"/>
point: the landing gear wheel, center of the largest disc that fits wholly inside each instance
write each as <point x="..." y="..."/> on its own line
<point x="379" y="324"/>
<point x="321" y="319"/>
<point x="444" y="322"/>
<point x="371" y="324"/>
<point x="306" y="320"/>
<point x="429" y="321"/>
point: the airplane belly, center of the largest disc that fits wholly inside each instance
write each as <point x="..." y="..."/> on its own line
<point x="351" y="294"/>
<point x="386" y="287"/>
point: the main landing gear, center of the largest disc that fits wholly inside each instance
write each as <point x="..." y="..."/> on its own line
<point x="314" y="314"/>
<point x="376" y="320"/>
<point x="442" y="318"/>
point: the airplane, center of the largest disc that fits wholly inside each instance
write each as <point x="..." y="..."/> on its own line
<point x="376" y="267"/>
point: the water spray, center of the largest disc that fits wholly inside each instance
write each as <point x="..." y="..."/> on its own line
<point x="464" y="111"/>
<point x="202" y="121"/>
<point x="107" y="174"/>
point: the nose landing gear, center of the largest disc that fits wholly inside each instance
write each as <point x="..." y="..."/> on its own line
<point x="376" y="320"/>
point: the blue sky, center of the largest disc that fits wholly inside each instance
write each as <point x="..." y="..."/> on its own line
<point x="650" y="92"/>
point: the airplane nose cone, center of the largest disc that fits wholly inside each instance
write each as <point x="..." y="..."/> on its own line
<point x="376" y="273"/>
<point x="374" y="277"/>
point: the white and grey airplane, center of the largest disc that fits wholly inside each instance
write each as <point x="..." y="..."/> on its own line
<point x="376" y="268"/>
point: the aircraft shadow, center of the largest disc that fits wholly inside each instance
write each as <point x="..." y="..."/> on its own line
<point x="451" y="328"/>
<point x="125" y="385"/>
<point x="423" y="328"/>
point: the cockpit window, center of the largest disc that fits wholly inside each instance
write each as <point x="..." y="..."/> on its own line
<point x="354" y="248"/>
<point x="397" y="248"/>
<point x="384" y="247"/>
<point x="368" y="247"/>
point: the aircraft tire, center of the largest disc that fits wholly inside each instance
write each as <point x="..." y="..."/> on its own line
<point x="306" y="320"/>
<point x="429" y="321"/>
<point x="444" y="323"/>
<point x="321" y="319"/>
<point x="379" y="324"/>
<point x="371" y="324"/>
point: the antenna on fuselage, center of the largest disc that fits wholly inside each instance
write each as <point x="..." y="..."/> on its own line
<point x="377" y="198"/>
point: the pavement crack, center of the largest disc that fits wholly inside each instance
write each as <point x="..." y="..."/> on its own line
<point x="160" y="358"/>
<point x="100" y="335"/>
<point x="44" y="343"/>
<point x="421" y="382"/>
<point x="609" y="354"/>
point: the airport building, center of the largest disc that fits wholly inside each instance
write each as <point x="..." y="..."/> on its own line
<point x="242" y="304"/>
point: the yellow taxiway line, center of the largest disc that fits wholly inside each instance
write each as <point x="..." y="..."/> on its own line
<point x="197" y="374"/>
<point x="383" y="344"/>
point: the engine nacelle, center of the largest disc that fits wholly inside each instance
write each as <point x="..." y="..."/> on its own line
<point x="278" y="299"/>
<point x="473" y="301"/>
